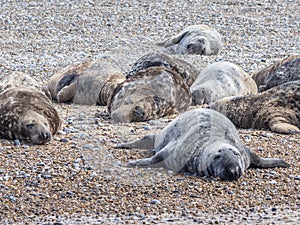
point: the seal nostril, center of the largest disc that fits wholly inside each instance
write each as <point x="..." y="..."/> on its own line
<point x="45" y="136"/>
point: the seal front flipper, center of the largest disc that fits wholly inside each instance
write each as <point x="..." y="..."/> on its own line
<point x="67" y="93"/>
<point x="173" y="40"/>
<point x="258" y="162"/>
<point x="284" y="128"/>
<point x="154" y="161"/>
<point x="146" y="142"/>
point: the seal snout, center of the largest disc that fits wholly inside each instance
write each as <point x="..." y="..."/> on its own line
<point x="231" y="173"/>
<point x="45" y="136"/>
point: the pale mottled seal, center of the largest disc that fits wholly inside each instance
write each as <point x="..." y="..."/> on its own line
<point x="151" y="93"/>
<point x="87" y="83"/>
<point x="219" y="80"/>
<point x="276" y="109"/>
<point x="196" y="39"/>
<point x="17" y="79"/>
<point x="282" y="71"/>
<point x="187" y="71"/>
<point x="202" y="142"/>
<point x="27" y="114"/>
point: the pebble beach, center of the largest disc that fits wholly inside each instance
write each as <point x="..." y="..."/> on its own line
<point x="79" y="177"/>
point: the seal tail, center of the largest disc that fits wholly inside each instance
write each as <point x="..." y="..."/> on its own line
<point x="146" y="142"/>
<point x="258" y="162"/>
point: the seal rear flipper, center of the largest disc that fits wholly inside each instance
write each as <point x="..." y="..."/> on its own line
<point x="146" y="142"/>
<point x="284" y="128"/>
<point x="258" y="162"/>
<point x="67" y="93"/>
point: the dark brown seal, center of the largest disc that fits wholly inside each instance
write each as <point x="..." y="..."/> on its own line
<point x="27" y="114"/>
<point x="151" y="93"/>
<point x="277" y="109"/>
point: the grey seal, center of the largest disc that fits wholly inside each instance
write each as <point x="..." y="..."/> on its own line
<point x="186" y="70"/>
<point x="86" y="83"/>
<point x="196" y="39"/>
<point x="202" y="142"/>
<point x="276" y="109"/>
<point x="27" y="114"/>
<point x="282" y="71"/>
<point x="151" y="93"/>
<point x="219" y="80"/>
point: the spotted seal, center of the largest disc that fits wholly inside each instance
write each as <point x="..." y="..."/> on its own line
<point x="87" y="83"/>
<point x="196" y="39"/>
<point x="187" y="71"/>
<point x="282" y="71"/>
<point x="27" y="114"/>
<point x="17" y="79"/>
<point x="276" y="109"/>
<point x="202" y="142"/>
<point x="219" y="80"/>
<point x="151" y="93"/>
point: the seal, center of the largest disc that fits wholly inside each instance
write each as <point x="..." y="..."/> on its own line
<point x="201" y="142"/>
<point x="187" y="71"/>
<point x="27" y="114"/>
<point x="219" y="80"/>
<point x="280" y="72"/>
<point x="150" y="94"/>
<point x="276" y="109"/>
<point x="196" y="39"/>
<point x="87" y="83"/>
<point x="17" y="79"/>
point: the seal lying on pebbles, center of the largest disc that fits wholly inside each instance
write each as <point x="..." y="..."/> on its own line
<point x="151" y="93"/>
<point x="282" y="71"/>
<point x="196" y="39"/>
<point x="187" y="71"/>
<point x="219" y="80"/>
<point x="276" y="109"/>
<point x="27" y="114"/>
<point x="17" y="79"/>
<point x="201" y="142"/>
<point x="86" y="83"/>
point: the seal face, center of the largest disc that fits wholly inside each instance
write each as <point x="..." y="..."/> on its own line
<point x="276" y="109"/>
<point x="282" y="71"/>
<point x="187" y="71"/>
<point x="86" y="83"/>
<point x="151" y="93"/>
<point x="197" y="39"/>
<point x="219" y="80"/>
<point x="27" y="114"/>
<point x="202" y="142"/>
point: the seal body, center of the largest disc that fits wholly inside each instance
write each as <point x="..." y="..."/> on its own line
<point x="17" y="79"/>
<point x="276" y="109"/>
<point x="219" y="80"/>
<point x="202" y="142"/>
<point x="197" y="39"/>
<point x="151" y="93"/>
<point x="87" y="83"/>
<point x="187" y="71"/>
<point x="27" y="114"/>
<point x="282" y="71"/>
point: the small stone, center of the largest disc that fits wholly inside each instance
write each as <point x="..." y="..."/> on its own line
<point x="155" y="201"/>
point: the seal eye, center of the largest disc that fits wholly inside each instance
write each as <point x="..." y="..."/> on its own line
<point x="29" y="126"/>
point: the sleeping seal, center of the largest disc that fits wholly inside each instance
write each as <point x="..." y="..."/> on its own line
<point x="277" y="109"/>
<point x="151" y="93"/>
<point x="187" y="71"/>
<point x="282" y="71"/>
<point x="196" y="39"/>
<point x="219" y="80"/>
<point x="202" y="142"/>
<point x="27" y="114"/>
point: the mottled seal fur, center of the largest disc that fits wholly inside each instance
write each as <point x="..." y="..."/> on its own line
<point x="282" y="71"/>
<point x="277" y="109"/>
<point x="86" y="83"/>
<point x="219" y="80"/>
<point x="17" y="79"/>
<point x="202" y="142"/>
<point x="196" y="39"/>
<point x="151" y="93"/>
<point x="27" y="114"/>
<point x="187" y="71"/>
